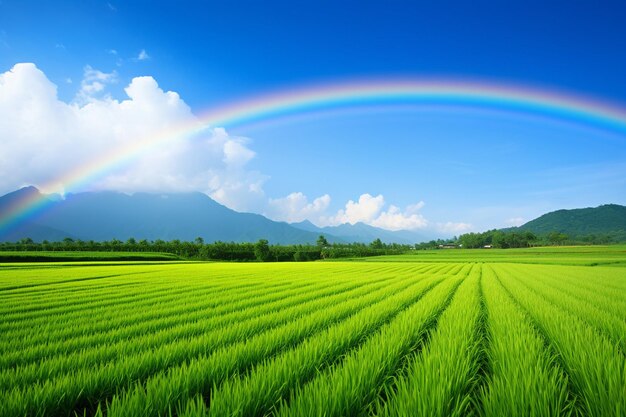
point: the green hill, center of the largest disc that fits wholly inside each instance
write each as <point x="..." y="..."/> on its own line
<point x="608" y="219"/>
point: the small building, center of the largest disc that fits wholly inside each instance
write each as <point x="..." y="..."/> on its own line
<point x="448" y="246"/>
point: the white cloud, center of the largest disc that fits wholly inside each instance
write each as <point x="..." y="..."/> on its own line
<point x="452" y="227"/>
<point x="236" y="153"/>
<point x="143" y="55"/>
<point x="296" y="207"/>
<point x="365" y="210"/>
<point x="43" y="138"/>
<point x="369" y="210"/>
<point x="515" y="221"/>
<point x="94" y="84"/>
<point x="395" y="219"/>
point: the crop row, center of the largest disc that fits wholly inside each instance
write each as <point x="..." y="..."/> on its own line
<point x="595" y="367"/>
<point x="191" y="331"/>
<point x="200" y="375"/>
<point x="85" y="386"/>
<point x="321" y="339"/>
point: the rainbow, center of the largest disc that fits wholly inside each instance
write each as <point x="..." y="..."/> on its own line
<point x="507" y="97"/>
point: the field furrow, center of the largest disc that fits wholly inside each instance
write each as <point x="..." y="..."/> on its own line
<point x="99" y="383"/>
<point x="524" y="380"/>
<point x="348" y="388"/>
<point x="187" y="335"/>
<point x="585" y="309"/>
<point x="580" y="286"/>
<point x="215" y="369"/>
<point x="421" y="334"/>
<point x="439" y="379"/>
<point x="594" y="364"/>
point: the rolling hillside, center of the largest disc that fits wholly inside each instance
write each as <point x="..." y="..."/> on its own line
<point x="608" y="219"/>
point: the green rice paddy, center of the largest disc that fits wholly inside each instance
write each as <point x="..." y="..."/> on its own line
<point x="537" y="332"/>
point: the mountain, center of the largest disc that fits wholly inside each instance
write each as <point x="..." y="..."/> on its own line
<point x="112" y="215"/>
<point x="35" y="231"/>
<point x="605" y="219"/>
<point x="362" y="233"/>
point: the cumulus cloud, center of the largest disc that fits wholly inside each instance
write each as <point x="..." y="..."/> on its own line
<point x="296" y="207"/>
<point x="43" y="138"/>
<point x="93" y="84"/>
<point x="236" y="153"/>
<point x="370" y="210"/>
<point x="395" y="219"/>
<point x="365" y="210"/>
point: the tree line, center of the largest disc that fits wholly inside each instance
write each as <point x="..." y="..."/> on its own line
<point x="261" y="251"/>
<point x="523" y="239"/>
<point x="504" y="239"/>
<point x="497" y="239"/>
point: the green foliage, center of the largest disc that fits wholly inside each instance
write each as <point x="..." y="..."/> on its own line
<point x="557" y="238"/>
<point x="377" y="244"/>
<point x="321" y="241"/>
<point x="604" y="222"/>
<point x="262" y="250"/>
<point x="83" y="256"/>
<point x="497" y="239"/>
<point x="196" y="250"/>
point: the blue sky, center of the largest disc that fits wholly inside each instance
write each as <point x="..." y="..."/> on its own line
<point x="452" y="169"/>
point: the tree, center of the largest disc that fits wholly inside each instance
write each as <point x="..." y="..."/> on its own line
<point x="199" y="241"/>
<point x="322" y="242"/>
<point x="377" y="244"/>
<point x="262" y="250"/>
<point x="530" y="238"/>
<point x="556" y="238"/>
<point x="498" y="240"/>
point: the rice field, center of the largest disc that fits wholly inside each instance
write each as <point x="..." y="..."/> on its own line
<point x="402" y="337"/>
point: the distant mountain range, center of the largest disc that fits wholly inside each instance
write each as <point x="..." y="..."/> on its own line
<point x="184" y="216"/>
<point x="608" y="219"/>
<point x="361" y="232"/>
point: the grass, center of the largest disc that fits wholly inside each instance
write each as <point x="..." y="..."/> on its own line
<point x="535" y="332"/>
<point x="80" y="256"/>
<point x="612" y="255"/>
